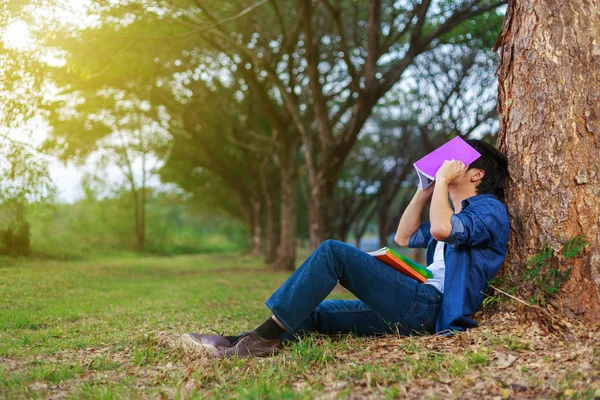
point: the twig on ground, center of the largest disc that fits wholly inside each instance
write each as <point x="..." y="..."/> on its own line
<point x="513" y="297"/>
<point x="544" y="313"/>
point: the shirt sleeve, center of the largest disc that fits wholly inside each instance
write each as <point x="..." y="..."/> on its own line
<point x="420" y="238"/>
<point x="468" y="228"/>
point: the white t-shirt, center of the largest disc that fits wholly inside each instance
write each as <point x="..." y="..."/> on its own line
<point x="437" y="268"/>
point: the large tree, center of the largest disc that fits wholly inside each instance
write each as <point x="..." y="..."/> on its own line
<point x="114" y="129"/>
<point x="233" y="141"/>
<point x="549" y="107"/>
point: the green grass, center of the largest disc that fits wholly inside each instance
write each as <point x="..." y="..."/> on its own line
<point x="93" y="330"/>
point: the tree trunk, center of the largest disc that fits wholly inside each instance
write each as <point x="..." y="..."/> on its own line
<point x="357" y="233"/>
<point x="142" y="229"/>
<point x="271" y="235"/>
<point x="256" y="229"/>
<point x="321" y="200"/>
<point x="549" y="108"/>
<point x="286" y="259"/>
<point x="362" y="224"/>
<point x="343" y="232"/>
<point x="383" y="211"/>
<point x="271" y="238"/>
<point x="383" y="223"/>
<point x="139" y="234"/>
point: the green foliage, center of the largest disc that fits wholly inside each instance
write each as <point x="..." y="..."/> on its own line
<point x="91" y="226"/>
<point x="480" y="31"/>
<point x="574" y="246"/>
<point x="490" y="301"/>
<point x="544" y="276"/>
<point x="24" y="174"/>
<point x="543" y="270"/>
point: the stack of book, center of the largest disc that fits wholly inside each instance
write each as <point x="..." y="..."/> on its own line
<point x="402" y="263"/>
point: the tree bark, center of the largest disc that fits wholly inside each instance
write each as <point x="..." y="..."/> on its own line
<point x="357" y="234"/>
<point x="549" y="108"/>
<point x="383" y="223"/>
<point x="142" y="228"/>
<point x="343" y="232"/>
<point x="363" y="223"/>
<point x="137" y="219"/>
<point x="286" y="258"/>
<point x="271" y="234"/>
<point x="320" y="211"/>
<point x="256" y="229"/>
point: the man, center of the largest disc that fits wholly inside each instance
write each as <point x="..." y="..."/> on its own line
<point x="465" y="245"/>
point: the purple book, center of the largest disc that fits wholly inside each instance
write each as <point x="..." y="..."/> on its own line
<point x="455" y="149"/>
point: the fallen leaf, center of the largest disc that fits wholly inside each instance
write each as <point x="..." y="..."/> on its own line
<point x="504" y="360"/>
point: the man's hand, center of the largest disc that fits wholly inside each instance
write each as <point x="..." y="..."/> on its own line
<point x="450" y="170"/>
<point x="427" y="192"/>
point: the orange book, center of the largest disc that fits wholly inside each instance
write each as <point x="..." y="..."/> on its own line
<point x="388" y="257"/>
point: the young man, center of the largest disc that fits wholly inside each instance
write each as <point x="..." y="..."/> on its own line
<point x="465" y="245"/>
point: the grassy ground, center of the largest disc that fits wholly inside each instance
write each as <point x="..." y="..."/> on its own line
<point x="108" y="328"/>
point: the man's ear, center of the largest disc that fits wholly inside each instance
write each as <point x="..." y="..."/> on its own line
<point x="477" y="175"/>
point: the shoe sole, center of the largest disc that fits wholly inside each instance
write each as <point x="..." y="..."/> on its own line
<point x="190" y="343"/>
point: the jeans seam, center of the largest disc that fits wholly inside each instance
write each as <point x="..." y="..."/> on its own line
<point x="347" y="312"/>
<point x="415" y="304"/>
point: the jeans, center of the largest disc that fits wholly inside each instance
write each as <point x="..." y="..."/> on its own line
<point x="389" y="301"/>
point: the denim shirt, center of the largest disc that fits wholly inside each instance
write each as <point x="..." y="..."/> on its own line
<point x="476" y="249"/>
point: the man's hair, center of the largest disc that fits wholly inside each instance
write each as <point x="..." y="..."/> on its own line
<point x="494" y="163"/>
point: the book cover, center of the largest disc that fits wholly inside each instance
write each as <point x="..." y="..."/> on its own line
<point x="414" y="265"/>
<point x="391" y="258"/>
<point x="455" y="149"/>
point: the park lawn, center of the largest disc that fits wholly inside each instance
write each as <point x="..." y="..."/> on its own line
<point x="108" y="328"/>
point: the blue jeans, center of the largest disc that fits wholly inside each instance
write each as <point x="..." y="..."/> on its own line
<point x="389" y="301"/>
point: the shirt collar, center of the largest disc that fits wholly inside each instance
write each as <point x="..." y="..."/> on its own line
<point x="476" y="198"/>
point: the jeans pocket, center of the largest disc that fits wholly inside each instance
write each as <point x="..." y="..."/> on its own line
<point x="421" y="318"/>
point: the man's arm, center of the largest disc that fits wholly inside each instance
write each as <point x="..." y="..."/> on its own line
<point x="411" y="218"/>
<point x="440" y="213"/>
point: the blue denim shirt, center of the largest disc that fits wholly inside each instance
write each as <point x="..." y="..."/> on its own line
<point x="476" y="250"/>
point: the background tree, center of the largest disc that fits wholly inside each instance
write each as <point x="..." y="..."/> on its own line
<point x="114" y="130"/>
<point x="549" y="106"/>
<point x="232" y="141"/>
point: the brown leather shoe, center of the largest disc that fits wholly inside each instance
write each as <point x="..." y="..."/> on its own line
<point x="209" y="342"/>
<point x="251" y="345"/>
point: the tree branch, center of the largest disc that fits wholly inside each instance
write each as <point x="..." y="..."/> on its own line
<point x="336" y="14"/>
<point x="312" y="60"/>
<point x="374" y="22"/>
